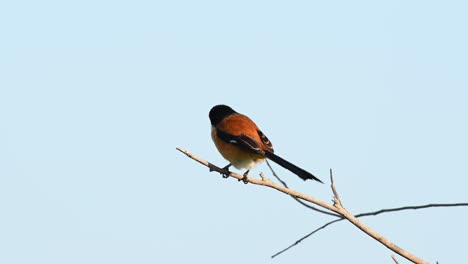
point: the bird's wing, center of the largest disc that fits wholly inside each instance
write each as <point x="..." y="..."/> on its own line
<point x="243" y="141"/>
<point x="266" y="142"/>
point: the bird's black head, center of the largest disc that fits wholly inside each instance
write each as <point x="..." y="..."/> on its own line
<point x="219" y="112"/>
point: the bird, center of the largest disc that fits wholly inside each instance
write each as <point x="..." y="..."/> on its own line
<point x="243" y="144"/>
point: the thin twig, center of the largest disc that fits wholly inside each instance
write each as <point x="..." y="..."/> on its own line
<point x="311" y="233"/>
<point x="395" y="259"/>
<point x="383" y="211"/>
<point x="297" y="200"/>
<point x="337" y="209"/>
<point x="306" y="236"/>
<point x="336" y="196"/>
<point x="412" y="207"/>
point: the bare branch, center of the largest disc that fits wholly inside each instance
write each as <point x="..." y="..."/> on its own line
<point x="336" y="208"/>
<point x="267" y="183"/>
<point x="395" y="259"/>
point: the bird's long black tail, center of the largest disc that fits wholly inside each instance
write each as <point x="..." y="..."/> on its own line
<point x="303" y="174"/>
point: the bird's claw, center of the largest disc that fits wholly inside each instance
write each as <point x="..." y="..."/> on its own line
<point x="226" y="171"/>
<point x="245" y="179"/>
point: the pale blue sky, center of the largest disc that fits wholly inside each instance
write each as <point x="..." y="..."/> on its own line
<point x="96" y="95"/>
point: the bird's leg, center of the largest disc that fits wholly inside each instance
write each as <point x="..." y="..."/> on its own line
<point x="226" y="171"/>
<point x="245" y="179"/>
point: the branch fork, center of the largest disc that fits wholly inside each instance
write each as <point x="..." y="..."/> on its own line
<point x="336" y="209"/>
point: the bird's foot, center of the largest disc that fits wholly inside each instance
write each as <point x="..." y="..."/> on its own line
<point x="245" y="179"/>
<point x="226" y="171"/>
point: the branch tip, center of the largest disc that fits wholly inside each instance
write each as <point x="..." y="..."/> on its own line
<point x="336" y="198"/>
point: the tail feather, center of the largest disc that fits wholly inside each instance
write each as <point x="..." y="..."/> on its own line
<point x="303" y="174"/>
